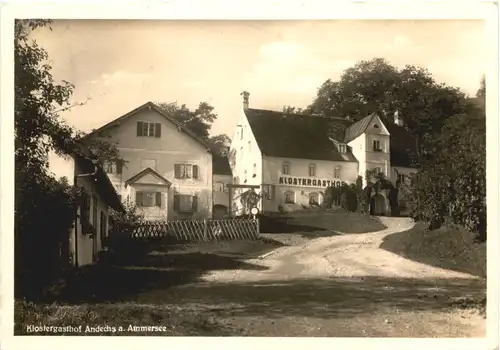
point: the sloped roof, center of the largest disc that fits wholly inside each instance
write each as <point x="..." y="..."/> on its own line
<point x="102" y="182"/>
<point x="358" y="128"/>
<point x="221" y="165"/>
<point x="151" y="105"/>
<point x="309" y="137"/>
<point x="298" y="136"/>
<point x="146" y="172"/>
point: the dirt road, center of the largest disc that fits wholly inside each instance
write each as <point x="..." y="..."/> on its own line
<point x="335" y="286"/>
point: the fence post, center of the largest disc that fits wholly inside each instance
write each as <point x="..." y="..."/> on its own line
<point x="205" y="229"/>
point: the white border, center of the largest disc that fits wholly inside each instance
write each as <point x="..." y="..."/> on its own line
<point x="289" y="9"/>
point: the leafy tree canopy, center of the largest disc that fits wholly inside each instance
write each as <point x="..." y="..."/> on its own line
<point x="39" y="100"/>
<point x="198" y="121"/>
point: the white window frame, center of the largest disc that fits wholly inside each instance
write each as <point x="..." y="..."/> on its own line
<point x="285" y="165"/>
<point x="312" y="173"/>
<point x="148" y="129"/>
<point x="150" y="195"/>
<point x="314" y="194"/>
<point x="289" y="197"/>
<point x="376" y="143"/>
<point x="342" y="148"/>
<point x="219" y="186"/>
<point x="337" y="172"/>
<point x="110" y="167"/>
<point x="186" y="171"/>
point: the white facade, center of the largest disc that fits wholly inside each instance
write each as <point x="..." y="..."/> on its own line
<point x="83" y="247"/>
<point x="293" y="183"/>
<point x="289" y="183"/>
<point x="147" y="139"/>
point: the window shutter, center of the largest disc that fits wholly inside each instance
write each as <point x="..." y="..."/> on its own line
<point x="157" y="130"/>
<point x="177" y="202"/>
<point x="138" y="198"/>
<point x="158" y="199"/>
<point x="195" y="171"/>
<point x="195" y="203"/>
<point x="177" y="171"/>
<point x="119" y="166"/>
<point x="139" y="128"/>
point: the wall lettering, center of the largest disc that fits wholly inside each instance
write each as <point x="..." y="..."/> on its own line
<point x="308" y="182"/>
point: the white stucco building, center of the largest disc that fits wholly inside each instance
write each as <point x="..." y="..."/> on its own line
<point x="167" y="169"/>
<point x="294" y="158"/>
<point x="92" y="218"/>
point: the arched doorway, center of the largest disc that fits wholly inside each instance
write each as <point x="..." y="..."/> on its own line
<point x="377" y="204"/>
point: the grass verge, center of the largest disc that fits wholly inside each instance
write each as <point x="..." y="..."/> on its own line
<point x="116" y="319"/>
<point x="321" y="223"/>
<point x="450" y="247"/>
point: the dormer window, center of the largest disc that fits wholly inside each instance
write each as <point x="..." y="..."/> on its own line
<point x="342" y="148"/>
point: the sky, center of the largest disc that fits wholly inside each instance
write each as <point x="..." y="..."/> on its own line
<point x="117" y="65"/>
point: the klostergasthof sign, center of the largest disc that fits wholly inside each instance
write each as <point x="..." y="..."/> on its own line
<point x="308" y="182"/>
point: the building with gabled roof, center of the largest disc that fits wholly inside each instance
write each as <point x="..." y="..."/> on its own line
<point x="294" y="158"/>
<point x="167" y="169"/>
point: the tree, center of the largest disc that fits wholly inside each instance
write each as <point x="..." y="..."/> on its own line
<point x="220" y="144"/>
<point x="199" y="122"/>
<point x="293" y="110"/>
<point x="376" y="86"/>
<point x="481" y="93"/>
<point x="44" y="207"/>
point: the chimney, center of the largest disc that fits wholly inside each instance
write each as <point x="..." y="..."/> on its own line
<point x="397" y="120"/>
<point x="245" y="95"/>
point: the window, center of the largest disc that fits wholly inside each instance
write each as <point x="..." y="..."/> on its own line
<point x="289" y="197"/>
<point x="148" y="163"/>
<point x="336" y="172"/>
<point x="314" y="198"/>
<point x="254" y="170"/>
<point x="219" y="187"/>
<point x="148" y="199"/>
<point x="85" y="209"/>
<point x="148" y="129"/>
<point x="268" y="191"/>
<point x="94" y="211"/>
<point x="103" y="220"/>
<point x="401" y="178"/>
<point x="186" y="171"/>
<point x="113" y="167"/>
<point x="249" y="146"/>
<point x="342" y="148"/>
<point x="312" y="169"/>
<point x="286" y="168"/>
<point x="185" y="203"/>
<point x="376" y="146"/>
<point x="378" y="170"/>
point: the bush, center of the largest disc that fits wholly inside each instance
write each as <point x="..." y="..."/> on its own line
<point x="44" y="216"/>
<point x="349" y="198"/>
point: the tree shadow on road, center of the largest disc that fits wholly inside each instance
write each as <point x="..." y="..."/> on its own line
<point x="114" y="283"/>
<point x="322" y="298"/>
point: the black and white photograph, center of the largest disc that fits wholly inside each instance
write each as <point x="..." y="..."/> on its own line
<point x="251" y="178"/>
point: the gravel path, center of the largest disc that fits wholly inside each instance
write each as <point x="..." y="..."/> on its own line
<point x="337" y="286"/>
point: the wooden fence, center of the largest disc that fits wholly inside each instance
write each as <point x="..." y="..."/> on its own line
<point x="193" y="230"/>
